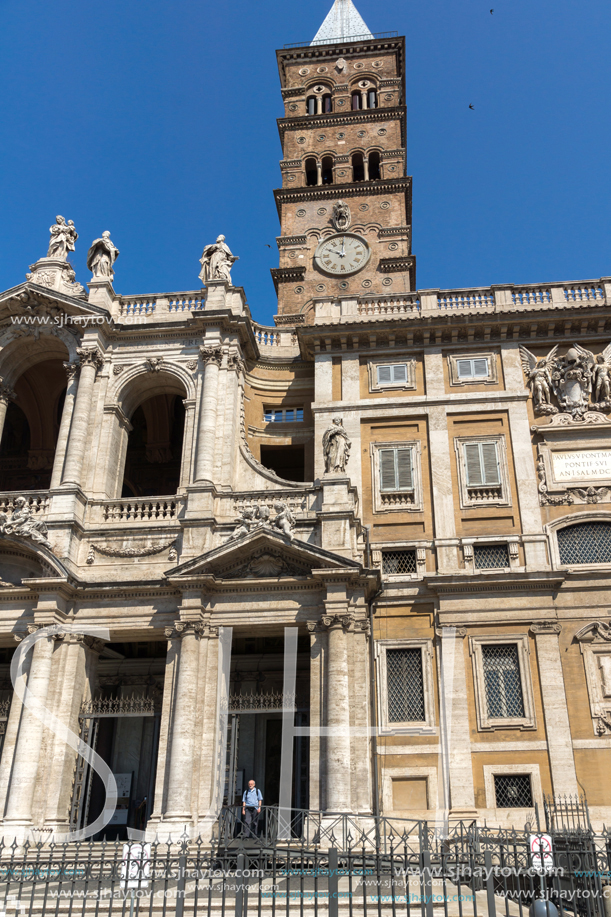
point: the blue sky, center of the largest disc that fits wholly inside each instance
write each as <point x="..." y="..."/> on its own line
<point x="157" y="121"/>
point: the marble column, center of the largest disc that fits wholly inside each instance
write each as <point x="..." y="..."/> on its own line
<point x="6" y="394"/>
<point x="455" y="758"/>
<point x="179" y="802"/>
<point x="26" y="760"/>
<point x="212" y="358"/>
<point x="555" y="710"/>
<point x="64" y="427"/>
<point x="338" y="789"/>
<point x="90" y="360"/>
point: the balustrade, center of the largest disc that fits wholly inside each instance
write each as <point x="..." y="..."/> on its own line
<point x="36" y="500"/>
<point x="146" y="509"/>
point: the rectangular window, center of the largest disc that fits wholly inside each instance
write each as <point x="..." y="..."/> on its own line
<point x="396" y="470"/>
<point x="398" y="562"/>
<point x="405" y="687"/>
<point x="481" y="464"/>
<point x="513" y="791"/>
<point x="490" y="556"/>
<point x="502" y="682"/>
<point x="392" y="374"/>
<point x="282" y="415"/>
<point x="473" y="369"/>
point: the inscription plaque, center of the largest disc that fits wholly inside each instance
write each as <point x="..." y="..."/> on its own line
<point x="582" y="466"/>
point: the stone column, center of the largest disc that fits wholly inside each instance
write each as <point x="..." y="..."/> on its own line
<point x="455" y="757"/>
<point x="211" y="358"/>
<point x="180" y="780"/>
<point x="338" y="789"/>
<point x="90" y="359"/>
<point x="555" y="711"/>
<point x="27" y="752"/>
<point x="6" y="394"/>
<point x="64" y="427"/>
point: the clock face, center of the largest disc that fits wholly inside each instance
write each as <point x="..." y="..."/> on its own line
<point x="344" y="253"/>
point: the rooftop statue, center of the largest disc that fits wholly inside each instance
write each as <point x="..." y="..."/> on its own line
<point x="63" y="237"/>
<point x="101" y="256"/>
<point x="336" y="447"/>
<point x="217" y="261"/>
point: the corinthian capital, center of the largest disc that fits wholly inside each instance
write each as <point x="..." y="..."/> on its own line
<point x="185" y="629"/>
<point x="6" y="392"/>
<point x="90" y="356"/>
<point x="345" y="621"/>
<point x="71" y="370"/>
<point x="211" y="354"/>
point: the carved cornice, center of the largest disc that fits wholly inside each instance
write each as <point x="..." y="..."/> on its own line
<point x="335" y="119"/>
<point x="290" y="164"/>
<point x="211" y="355"/>
<point x="546" y="627"/>
<point x="288" y="241"/>
<point x="354" y="189"/>
<point x="297" y="318"/>
<point x="395" y="265"/>
<point x="393" y="231"/>
<point x="287" y="275"/>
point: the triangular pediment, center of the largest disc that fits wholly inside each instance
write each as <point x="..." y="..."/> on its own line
<point x="260" y="555"/>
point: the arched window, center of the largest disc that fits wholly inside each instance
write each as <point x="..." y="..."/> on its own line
<point x="311" y="105"/>
<point x="585" y="543"/>
<point x="358" y="167"/>
<point x="372" y="99"/>
<point x="311" y="172"/>
<point x="374" y="166"/>
<point x="356" y="101"/>
<point x="327" y="170"/>
<point x="154" y="447"/>
<point x="326" y="103"/>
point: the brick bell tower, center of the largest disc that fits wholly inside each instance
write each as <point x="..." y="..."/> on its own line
<point x="345" y="201"/>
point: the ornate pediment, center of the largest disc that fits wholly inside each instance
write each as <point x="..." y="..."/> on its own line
<point x="30" y="300"/>
<point x="595" y="643"/>
<point x="262" y="554"/>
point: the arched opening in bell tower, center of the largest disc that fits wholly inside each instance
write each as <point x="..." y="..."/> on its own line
<point x="374" y="166"/>
<point x="358" y="167"/>
<point x="327" y="170"/>
<point x="311" y="172"/>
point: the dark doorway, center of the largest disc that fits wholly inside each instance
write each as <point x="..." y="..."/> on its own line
<point x="154" y="448"/>
<point x="287" y="461"/>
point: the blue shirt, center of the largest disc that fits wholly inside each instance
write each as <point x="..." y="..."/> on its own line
<point x="252" y="797"/>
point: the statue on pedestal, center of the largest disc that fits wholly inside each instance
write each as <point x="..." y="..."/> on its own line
<point x="101" y="257"/>
<point x="336" y="447"/>
<point x="217" y="261"/>
<point x="63" y="237"/>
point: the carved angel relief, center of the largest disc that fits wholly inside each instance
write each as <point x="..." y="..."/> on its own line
<point x="579" y="381"/>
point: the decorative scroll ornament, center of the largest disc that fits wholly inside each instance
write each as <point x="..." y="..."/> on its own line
<point x="342" y="217"/>
<point x="147" y="551"/>
<point x="579" y="381"/>
<point x="22" y="523"/>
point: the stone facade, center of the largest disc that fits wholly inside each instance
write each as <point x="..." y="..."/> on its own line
<point x="165" y="505"/>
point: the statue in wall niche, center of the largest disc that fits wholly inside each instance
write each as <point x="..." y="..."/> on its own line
<point x="341" y="216"/>
<point x="21" y="522"/>
<point x="217" y="261"/>
<point x="101" y="256"/>
<point x="579" y="381"/>
<point x="336" y="447"/>
<point x="63" y="237"/>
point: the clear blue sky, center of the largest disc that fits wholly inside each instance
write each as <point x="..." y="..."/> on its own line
<point x="157" y="121"/>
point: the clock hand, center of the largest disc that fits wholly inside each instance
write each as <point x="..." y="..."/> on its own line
<point x="342" y="254"/>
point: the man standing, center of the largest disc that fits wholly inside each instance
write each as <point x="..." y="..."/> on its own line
<point x="251" y="808"/>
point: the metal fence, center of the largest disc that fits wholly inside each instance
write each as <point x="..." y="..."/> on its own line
<point x="422" y="870"/>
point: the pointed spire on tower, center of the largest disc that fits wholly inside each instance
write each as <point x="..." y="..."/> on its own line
<point x="342" y="23"/>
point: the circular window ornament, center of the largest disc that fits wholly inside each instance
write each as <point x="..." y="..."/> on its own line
<point x="364" y="84"/>
<point x="290" y="178"/>
<point x="359" y="65"/>
<point x="319" y="88"/>
<point x="384" y="205"/>
<point x="299" y="289"/>
<point x="382" y="132"/>
<point x="388" y="97"/>
<point x="301" y="213"/>
<point x="322" y="70"/>
<point x="304" y="71"/>
<point x="301" y="140"/>
<point x="341" y="174"/>
<point x="387" y="282"/>
<point x="393" y="247"/>
<point x="292" y="255"/>
<point x="292" y="107"/>
<point x="341" y="135"/>
<point x="320" y="288"/>
<point x="392" y="168"/>
<point x="361" y="133"/>
<point x="364" y="207"/>
<point x="340" y="101"/>
<point x="366" y="284"/>
<point x="343" y="285"/>
<point x="377" y="64"/>
<point x="321" y="211"/>
<point x="321" y="137"/>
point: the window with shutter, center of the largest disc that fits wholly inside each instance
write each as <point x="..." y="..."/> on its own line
<point x="396" y="469"/>
<point x="476" y="368"/>
<point x="482" y="464"/>
<point x="480" y="368"/>
<point x="392" y="373"/>
<point x="464" y="369"/>
<point x="473" y="465"/>
<point x="399" y="372"/>
<point x="384" y="375"/>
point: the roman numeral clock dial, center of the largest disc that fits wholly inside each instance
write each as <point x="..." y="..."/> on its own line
<point x="342" y="254"/>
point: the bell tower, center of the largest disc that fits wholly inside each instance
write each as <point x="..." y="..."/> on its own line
<point x="345" y="201"/>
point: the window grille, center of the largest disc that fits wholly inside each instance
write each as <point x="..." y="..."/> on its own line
<point x="473" y="369"/>
<point x="396" y="471"/>
<point x="490" y="556"/>
<point x="512" y="791"/>
<point x="585" y="543"/>
<point x="282" y="415"/>
<point x="398" y="562"/>
<point x="392" y="373"/>
<point x="482" y="464"/>
<point x="502" y="680"/>
<point x="405" y="685"/>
